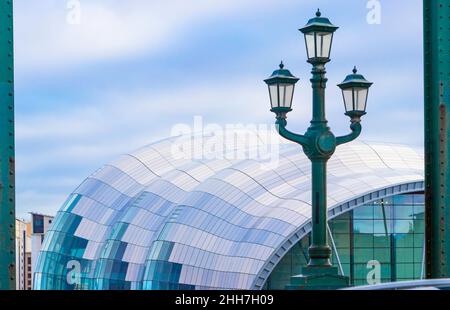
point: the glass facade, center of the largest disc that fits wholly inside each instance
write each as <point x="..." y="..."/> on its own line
<point x="38" y="224"/>
<point x="378" y="242"/>
<point x="152" y="220"/>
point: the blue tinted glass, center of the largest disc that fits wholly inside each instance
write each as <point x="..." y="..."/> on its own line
<point x="381" y="227"/>
<point x="363" y="226"/>
<point x="403" y="199"/>
<point x="419" y="211"/>
<point x="382" y="255"/>
<point x="404" y="211"/>
<point x="404" y="240"/>
<point x="364" y="212"/>
<point x="404" y="255"/>
<point x="38" y="224"/>
<point x="403" y="226"/>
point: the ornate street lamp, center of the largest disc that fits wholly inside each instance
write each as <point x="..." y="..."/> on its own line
<point x="281" y="89"/>
<point x="355" y="90"/>
<point x="318" y="143"/>
<point x="319" y="38"/>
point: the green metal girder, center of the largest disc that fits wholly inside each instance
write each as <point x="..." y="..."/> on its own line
<point x="7" y="162"/>
<point x="437" y="107"/>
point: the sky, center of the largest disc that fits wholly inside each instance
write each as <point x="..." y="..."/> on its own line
<point x="121" y="74"/>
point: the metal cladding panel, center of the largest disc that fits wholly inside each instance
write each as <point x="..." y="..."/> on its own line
<point x="7" y="197"/>
<point x="205" y="223"/>
<point x="437" y="107"/>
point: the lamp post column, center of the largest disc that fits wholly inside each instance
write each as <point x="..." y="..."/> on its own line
<point x="319" y="82"/>
<point x="319" y="151"/>
<point x="319" y="252"/>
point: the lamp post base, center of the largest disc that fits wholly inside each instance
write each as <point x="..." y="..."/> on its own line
<point x="319" y="278"/>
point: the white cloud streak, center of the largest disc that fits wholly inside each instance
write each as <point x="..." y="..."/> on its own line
<point x="110" y="123"/>
<point x="109" y="29"/>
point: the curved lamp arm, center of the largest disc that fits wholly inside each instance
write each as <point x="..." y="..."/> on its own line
<point x="281" y="128"/>
<point x="356" y="131"/>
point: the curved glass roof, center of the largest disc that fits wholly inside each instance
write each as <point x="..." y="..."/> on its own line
<point x="156" y="220"/>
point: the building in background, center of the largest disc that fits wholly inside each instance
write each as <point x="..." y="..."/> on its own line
<point x="40" y="224"/>
<point x="29" y="238"/>
<point x="151" y="220"/>
<point x="23" y="255"/>
<point x="29" y="272"/>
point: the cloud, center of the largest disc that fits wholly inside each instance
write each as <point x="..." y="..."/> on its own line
<point x="114" y="122"/>
<point x="72" y="127"/>
<point x="108" y="29"/>
<point x="34" y="201"/>
<point x="71" y="145"/>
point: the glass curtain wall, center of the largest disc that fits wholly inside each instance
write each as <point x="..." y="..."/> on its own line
<point x="375" y="243"/>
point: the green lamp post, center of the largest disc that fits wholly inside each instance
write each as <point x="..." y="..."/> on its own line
<point x="318" y="143"/>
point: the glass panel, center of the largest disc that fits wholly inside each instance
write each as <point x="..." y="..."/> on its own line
<point x="363" y="255"/>
<point x="417" y="271"/>
<point x="324" y="44"/>
<point x="382" y="241"/>
<point x="381" y="227"/>
<point x="404" y="240"/>
<point x="419" y="212"/>
<point x="419" y="199"/>
<point x="404" y="255"/>
<point x="386" y="272"/>
<point x="360" y="98"/>
<point x="363" y="226"/>
<point x="358" y="282"/>
<point x="418" y="240"/>
<point x="348" y="99"/>
<point x="380" y="212"/>
<point x="310" y="45"/>
<point x="282" y="89"/>
<point x="383" y="255"/>
<point x="339" y="226"/>
<point x="289" y="95"/>
<point x="363" y="240"/>
<point x="404" y="212"/>
<point x="419" y="226"/>
<point x="405" y="271"/>
<point x="363" y="213"/>
<point x="362" y="272"/>
<point x="388" y="201"/>
<point x="418" y="255"/>
<point x="346" y="268"/>
<point x="38" y="224"/>
<point x="342" y="240"/>
<point x="403" y="226"/>
<point x="344" y="255"/>
<point x="274" y="95"/>
<point x="388" y="211"/>
<point x="403" y="199"/>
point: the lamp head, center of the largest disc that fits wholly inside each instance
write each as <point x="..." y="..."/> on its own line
<point x="281" y="90"/>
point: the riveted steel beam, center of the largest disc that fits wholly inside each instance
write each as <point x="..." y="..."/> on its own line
<point x="7" y="162"/>
<point x="437" y="107"/>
